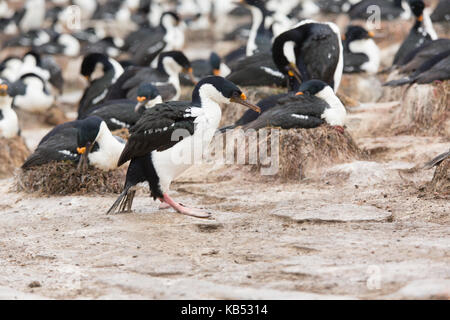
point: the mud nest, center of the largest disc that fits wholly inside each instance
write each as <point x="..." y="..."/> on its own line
<point x="441" y="180"/>
<point x="62" y="178"/>
<point x="301" y="152"/>
<point x="13" y="152"/>
<point x="388" y="93"/>
<point x="424" y="109"/>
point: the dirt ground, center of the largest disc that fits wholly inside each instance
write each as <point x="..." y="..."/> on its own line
<point x="358" y="230"/>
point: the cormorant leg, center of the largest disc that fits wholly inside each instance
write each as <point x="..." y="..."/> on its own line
<point x="185" y="210"/>
<point x="130" y="200"/>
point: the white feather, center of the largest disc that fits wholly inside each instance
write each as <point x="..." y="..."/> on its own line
<point x="9" y="125"/>
<point x="371" y="50"/>
<point x="172" y="162"/>
<point x="108" y="153"/>
<point x="334" y="115"/>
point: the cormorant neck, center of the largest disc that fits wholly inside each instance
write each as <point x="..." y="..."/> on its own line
<point x="336" y="113"/>
<point x="207" y="94"/>
<point x="278" y="48"/>
<point x="258" y="19"/>
<point x="5" y="102"/>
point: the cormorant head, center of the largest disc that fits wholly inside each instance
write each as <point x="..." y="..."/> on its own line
<point x="148" y="96"/>
<point x="88" y="132"/>
<point x="174" y="62"/>
<point x="169" y="19"/>
<point x="312" y="87"/>
<point x="92" y="63"/>
<point x="33" y="57"/>
<point x="4" y="85"/>
<point x="417" y="7"/>
<point x="357" y="33"/>
<point x="215" y="62"/>
<point x="220" y="90"/>
<point x="283" y="53"/>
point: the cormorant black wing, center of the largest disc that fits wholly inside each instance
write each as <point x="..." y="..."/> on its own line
<point x="57" y="147"/>
<point x="292" y="112"/>
<point x="156" y="129"/>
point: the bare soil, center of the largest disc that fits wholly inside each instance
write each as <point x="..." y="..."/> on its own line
<point x="364" y="229"/>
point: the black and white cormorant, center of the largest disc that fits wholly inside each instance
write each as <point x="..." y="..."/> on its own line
<point x="361" y="54"/>
<point x="110" y="46"/>
<point x="170" y="137"/>
<point x="206" y="67"/>
<point x="424" y="53"/>
<point x="145" y="46"/>
<point x="32" y="16"/>
<point x="436" y="68"/>
<point x="84" y="141"/>
<point x="388" y="9"/>
<point x="9" y="124"/>
<point x="101" y="71"/>
<point x="125" y="113"/>
<point x="31" y="93"/>
<point x="259" y="37"/>
<point x="311" y="50"/>
<point x="421" y="32"/>
<point x="335" y="6"/>
<point x="12" y="68"/>
<point x="166" y="77"/>
<point x="314" y="104"/>
<point x="60" y="43"/>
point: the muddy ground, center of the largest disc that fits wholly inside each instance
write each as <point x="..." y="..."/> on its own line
<point x="359" y="230"/>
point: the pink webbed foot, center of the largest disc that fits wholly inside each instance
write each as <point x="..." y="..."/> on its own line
<point x="183" y="209"/>
<point x="163" y="206"/>
<point x="339" y="129"/>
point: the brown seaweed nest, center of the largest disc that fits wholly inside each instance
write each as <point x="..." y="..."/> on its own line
<point x="424" y="109"/>
<point x="13" y="152"/>
<point x="302" y="152"/>
<point x="392" y="93"/>
<point x="63" y="178"/>
<point x="440" y="183"/>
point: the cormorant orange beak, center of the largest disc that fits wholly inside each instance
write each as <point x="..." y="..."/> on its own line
<point x="371" y="34"/>
<point x="420" y="18"/>
<point x="84" y="151"/>
<point x="140" y="99"/>
<point x="299" y="93"/>
<point x="3" y="90"/>
<point x="242" y="99"/>
<point x="294" y="72"/>
<point x="190" y="73"/>
<point x="216" y="72"/>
